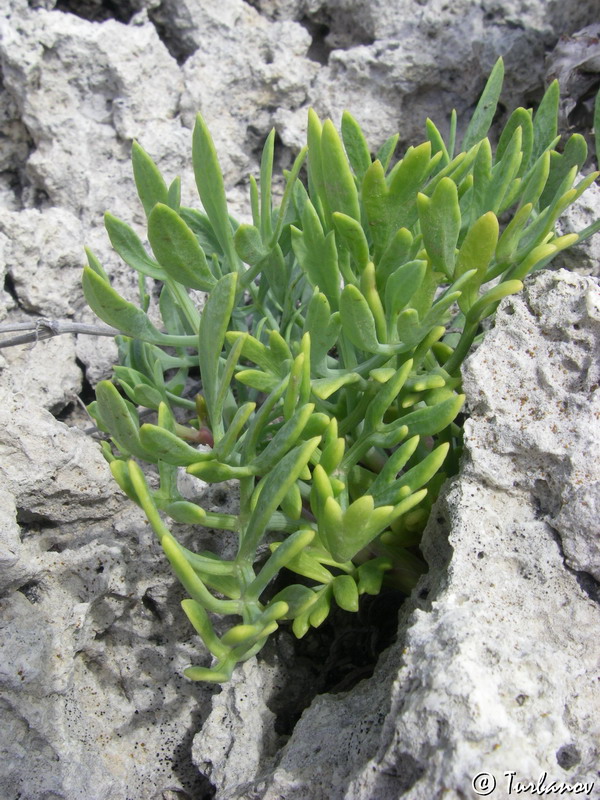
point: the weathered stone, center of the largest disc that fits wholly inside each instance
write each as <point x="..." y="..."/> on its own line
<point x="575" y="63"/>
<point x="583" y="257"/>
<point x="392" y="64"/>
<point x="122" y="83"/>
<point x="43" y="256"/>
<point x="44" y="372"/>
<point x="492" y="669"/>
<point x="238" y="740"/>
<point x="541" y="431"/>
<point x="93" y="642"/>
<point x="252" y="68"/>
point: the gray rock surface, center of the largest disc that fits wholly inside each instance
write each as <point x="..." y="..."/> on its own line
<point x="493" y="670"/>
<point x="551" y="417"/>
<point x="583" y="257"/>
<point x="93" y="640"/>
<point x="91" y="636"/>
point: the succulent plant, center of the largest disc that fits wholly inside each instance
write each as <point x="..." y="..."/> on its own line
<point x="329" y="351"/>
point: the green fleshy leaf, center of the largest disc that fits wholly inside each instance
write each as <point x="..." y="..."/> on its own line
<point x="120" y="422"/>
<point x="298" y="598"/>
<point x="249" y="245"/>
<point x="486" y="107"/>
<point x="355" y="145"/>
<point x="432" y="420"/>
<point x="203" y="626"/>
<point x="262" y="381"/>
<point x="345" y="592"/>
<point x="520" y="118"/>
<point x="387" y="150"/>
<point x="317" y="254"/>
<point x="255" y="351"/>
<point x="213" y="326"/>
<point x="174" y="195"/>
<point x="213" y="471"/>
<point x="280" y="557"/>
<point x="437" y="142"/>
<point x="509" y="240"/>
<point x="338" y="181"/>
<point x="266" y="175"/>
<point x="150" y="184"/>
<point x="177" y="249"/>
<point x="402" y="285"/>
<point x="440" y="220"/>
<point x="273" y="489"/>
<point x="476" y="252"/>
<point x="562" y="165"/>
<point x="325" y="387"/>
<point x="128" y="245"/>
<point x="108" y="304"/>
<point x="396" y="254"/>
<point x="166" y="446"/>
<point x="209" y="180"/>
<point x="323" y="328"/>
<point x="371" y="575"/>
<point x="285" y="438"/>
<point x="415" y="478"/>
<point x="317" y="192"/>
<point x="393" y="206"/>
<point x="386" y="396"/>
<point x="479" y="309"/>
<point x="545" y="120"/>
<point x="352" y="235"/>
<point x="120" y="472"/>
<point x="358" y="323"/>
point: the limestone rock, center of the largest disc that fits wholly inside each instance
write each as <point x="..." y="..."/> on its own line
<point x="252" y="68"/>
<point x="238" y="739"/>
<point x="492" y="668"/>
<point x="541" y="433"/>
<point x="43" y="257"/>
<point x="575" y="63"/>
<point x="583" y="257"/>
<point x="93" y="642"/>
<point x="113" y="94"/>
<point x="45" y="372"/>
<point x="51" y="470"/>
<point x="392" y="63"/>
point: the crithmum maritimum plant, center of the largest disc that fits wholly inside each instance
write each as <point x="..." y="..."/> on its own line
<point x="329" y="352"/>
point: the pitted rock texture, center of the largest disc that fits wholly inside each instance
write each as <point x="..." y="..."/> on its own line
<point x="93" y="640"/>
<point x="542" y="434"/>
<point x="494" y="666"/>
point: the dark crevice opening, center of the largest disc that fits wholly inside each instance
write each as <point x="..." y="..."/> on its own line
<point x="319" y="50"/>
<point x="63" y="412"/>
<point x="87" y="393"/>
<point x="31" y="520"/>
<point x="151" y="604"/>
<point x="99" y="10"/>
<point x="337" y="655"/>
<point x="180" y="47"/>
<point x="10" y="288"/>
<point x="32" y="591"/>
<point x="196" y="785"/>
<point x="586" y="581"/>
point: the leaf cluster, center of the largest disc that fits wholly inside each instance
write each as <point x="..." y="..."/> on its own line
<point x="329" y="352"/>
